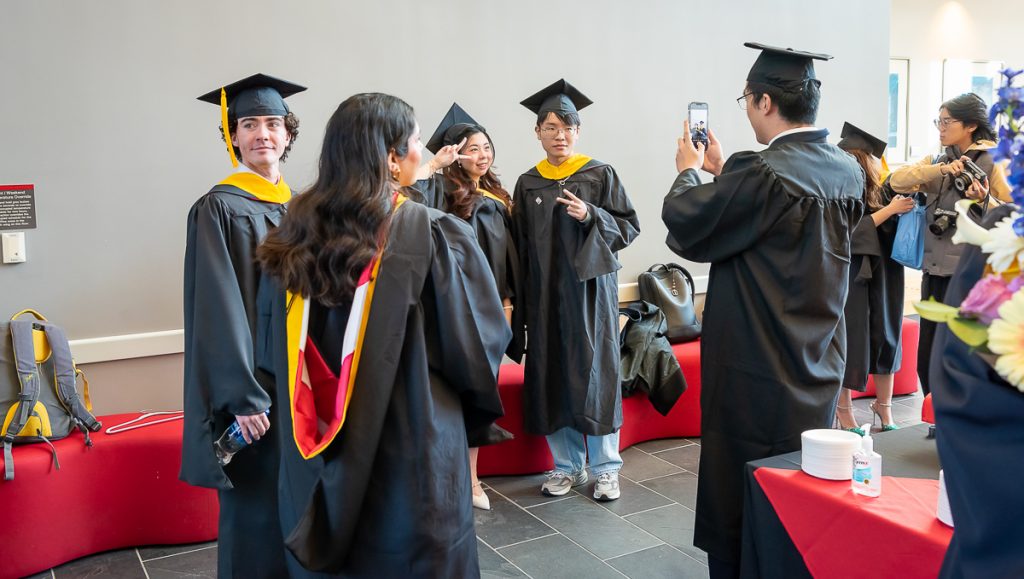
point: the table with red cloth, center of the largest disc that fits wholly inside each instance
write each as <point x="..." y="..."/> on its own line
<point x="796" y="525"/>
<point x="121" y="492"/>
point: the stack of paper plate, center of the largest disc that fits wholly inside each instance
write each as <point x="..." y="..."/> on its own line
<point x="828" y="453"/>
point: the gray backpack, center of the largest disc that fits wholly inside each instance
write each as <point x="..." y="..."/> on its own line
<point x="39" y="399"/>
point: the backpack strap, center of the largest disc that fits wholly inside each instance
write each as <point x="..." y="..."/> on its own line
<point x="66" y="373"/>
<point x="28" y="378"/>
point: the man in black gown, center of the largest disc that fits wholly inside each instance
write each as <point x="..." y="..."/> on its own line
<point x="775" y="226"/>
<point x="222" y="384"/>
<point x="571" y="216"/>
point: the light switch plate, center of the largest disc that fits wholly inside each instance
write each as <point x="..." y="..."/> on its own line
<point x="13" y="246"/>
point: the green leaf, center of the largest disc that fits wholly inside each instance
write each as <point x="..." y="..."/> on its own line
<point x="935" y="311"/>
<point x="972" y="332"/>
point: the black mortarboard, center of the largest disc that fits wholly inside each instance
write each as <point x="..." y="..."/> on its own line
<point x="455" y="121"/>
<point x="784" y="68"/>
<point x="854" y="138"/>
<point x="256" y="96"/>
<point x="560" y="97"/>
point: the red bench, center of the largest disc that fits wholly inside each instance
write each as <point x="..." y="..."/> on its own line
<point x="529" y="453"/>
<point x="122" y="492"/>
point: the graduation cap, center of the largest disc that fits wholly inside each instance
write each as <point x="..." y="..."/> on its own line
<point x="854" y="138"/>
<point x="454" y="123"/>
<point x="256" y="96"/>
<point x="784" y="68"/>
<point x="560" y="97"/>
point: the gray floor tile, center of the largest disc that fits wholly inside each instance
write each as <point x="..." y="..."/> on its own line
<point x="147" y="553"/>
<point x="493" y="565"/>
<point x="634" y="498"/>
<point x="202" y="563"/>
<point x="694" y="440"/>
<point x="681" y="488"/>
<point x="522" y="490"/>
<point x="637" y="465"/>
<point x="659" y="562"/>
<point x="506" y="524"/>
<point x="653" y="446"/>
<point x="557" y="558"/>
<point x="123" y="564"/>
<point x="594" y="528"/>
<point x="43" y="575"/>
<point x="672" y="524"/>
<point x="687" y="457"/>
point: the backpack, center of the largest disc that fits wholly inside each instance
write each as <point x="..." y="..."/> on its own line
<point x="670" y="288"/>
<point x="39" y="401"/>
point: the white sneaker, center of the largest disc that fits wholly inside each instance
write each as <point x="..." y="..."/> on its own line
<point x="559" y="482"/>
<point x="607" y="487"/>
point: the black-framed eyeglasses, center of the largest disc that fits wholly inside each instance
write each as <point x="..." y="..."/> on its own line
<point x="554" y="131"/>
<point x="742" y="100"/>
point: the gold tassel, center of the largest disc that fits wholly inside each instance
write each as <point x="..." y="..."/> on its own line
<point x="885" y="169"/>
<point x="224" y="125"/>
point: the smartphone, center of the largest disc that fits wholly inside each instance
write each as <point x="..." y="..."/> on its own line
<point x="698" y="116"/>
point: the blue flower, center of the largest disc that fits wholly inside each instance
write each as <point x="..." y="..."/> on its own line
<point x="1010" y="73"/>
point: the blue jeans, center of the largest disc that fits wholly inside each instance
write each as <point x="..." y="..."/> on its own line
<point x="570" y="454"/>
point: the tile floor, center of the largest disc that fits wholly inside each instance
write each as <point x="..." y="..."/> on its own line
<point x="647" y="533"/>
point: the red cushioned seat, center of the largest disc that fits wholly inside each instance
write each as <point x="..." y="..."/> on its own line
<point x="641" y="422"/>
<point x="927" y="412"/>
<point x="905" y="381"/>
<point x="122" y="492"/>
<point x="527" y="453"/>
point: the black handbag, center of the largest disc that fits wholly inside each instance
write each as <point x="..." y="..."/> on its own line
<point x="670" y="287"/>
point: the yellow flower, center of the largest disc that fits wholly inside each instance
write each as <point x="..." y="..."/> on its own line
<point x="1006" y="340"/>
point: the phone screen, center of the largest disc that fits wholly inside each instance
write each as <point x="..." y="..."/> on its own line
<point x="698" y="123"/>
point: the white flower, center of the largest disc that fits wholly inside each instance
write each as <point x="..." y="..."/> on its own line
<point x="1006" y="339"/>
<point x="1004" y="245"/>
<point x="967" y="231"/>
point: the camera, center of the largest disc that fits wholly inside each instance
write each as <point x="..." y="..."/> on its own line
<point x="970" y="174"/>
<point x="944" y="221"/>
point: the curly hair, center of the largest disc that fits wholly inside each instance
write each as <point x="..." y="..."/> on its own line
<point x="461" y="199"/>
<point x="291" y="124"/>
<point x="333" y="230"/>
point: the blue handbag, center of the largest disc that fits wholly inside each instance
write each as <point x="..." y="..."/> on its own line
<point x="908" y="245"/>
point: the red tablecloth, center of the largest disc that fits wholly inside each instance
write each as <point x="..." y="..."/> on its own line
<point x="841" y="534"/>
<point x="123" y="491"/>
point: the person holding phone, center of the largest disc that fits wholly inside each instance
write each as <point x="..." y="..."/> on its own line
<point x="963" y="124"/>
<point x="773" y="225"/>
<point x="874" y="306"/>
<point x="571" y="217"/>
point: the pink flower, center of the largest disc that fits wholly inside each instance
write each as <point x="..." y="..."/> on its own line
<point x="985" y="298"/>
<point x="1016" y="283"/>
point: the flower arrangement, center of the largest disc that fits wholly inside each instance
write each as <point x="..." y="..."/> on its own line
<point x="991" y="318"/>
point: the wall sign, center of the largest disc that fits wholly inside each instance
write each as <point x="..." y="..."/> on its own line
<point x="17" y="207"/>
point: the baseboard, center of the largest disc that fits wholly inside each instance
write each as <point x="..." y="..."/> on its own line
<point x="143" y="345"/>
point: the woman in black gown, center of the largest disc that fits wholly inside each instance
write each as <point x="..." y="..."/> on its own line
<point x="384" y="330"/>
<point x="874" y="305"/>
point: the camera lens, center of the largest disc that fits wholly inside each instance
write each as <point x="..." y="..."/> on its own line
<point x="962" y="182"/>
<point x="940" y="225"/>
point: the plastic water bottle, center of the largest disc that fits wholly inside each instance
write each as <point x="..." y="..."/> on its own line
<point x="230" y="443"/>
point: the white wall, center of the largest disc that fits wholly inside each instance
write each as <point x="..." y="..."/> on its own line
<point x="930" y="31"/>
<point x="99" y="111"/>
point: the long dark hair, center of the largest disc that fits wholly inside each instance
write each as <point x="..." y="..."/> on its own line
<point x="461" y="198"/>
<point x="333" y="230"/>
<point x="970" y="109"/>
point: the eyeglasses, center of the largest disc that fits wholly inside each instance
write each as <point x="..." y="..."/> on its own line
<point x="742" y="100"/>
<point x="943" y="123"/>
<point x="555" y="131"/>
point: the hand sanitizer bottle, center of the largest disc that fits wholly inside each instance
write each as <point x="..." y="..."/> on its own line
<point x="867" y="468"/>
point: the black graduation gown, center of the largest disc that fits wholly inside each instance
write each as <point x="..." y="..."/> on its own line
<point x="775" y="226"/>
<point x="390" y="497"/>
<point x="865" y="253"/>
<point x="492" y="224"/>
<point x="221" y="380"/>
<point x="980" y="437"/>
<point x="568" y="300"/>
<point x="885" y="302"/>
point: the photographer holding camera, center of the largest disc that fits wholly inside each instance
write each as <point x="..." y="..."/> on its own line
<point x="964" y="171"/>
